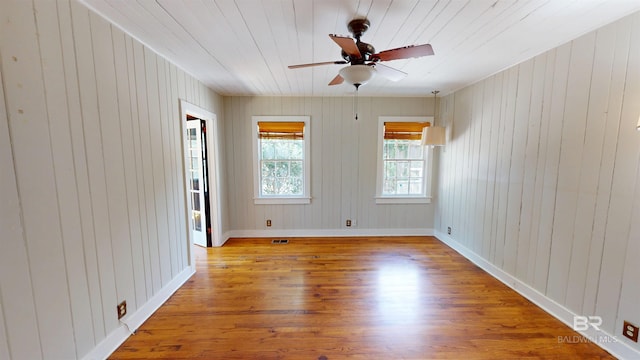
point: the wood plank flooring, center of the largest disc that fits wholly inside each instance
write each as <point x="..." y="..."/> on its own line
<point x="348" y="298"/>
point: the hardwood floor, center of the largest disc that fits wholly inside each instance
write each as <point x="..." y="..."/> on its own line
<point x="348" y="298"/>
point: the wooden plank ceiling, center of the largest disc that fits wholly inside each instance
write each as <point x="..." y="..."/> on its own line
<point x="243" y="47"/>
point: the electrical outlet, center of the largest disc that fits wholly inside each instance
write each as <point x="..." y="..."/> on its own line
<point x="268" y="223"/>
<point x="449" y="230"/>
<point x="122" y="309"/>
<point x="348" y="222"/>
<point x="630" y="331"/>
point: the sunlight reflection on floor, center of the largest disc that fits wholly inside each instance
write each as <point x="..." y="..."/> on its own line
<point x="400" y="287"/>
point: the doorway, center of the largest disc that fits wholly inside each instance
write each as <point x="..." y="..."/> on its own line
<point x="201" y="170"/>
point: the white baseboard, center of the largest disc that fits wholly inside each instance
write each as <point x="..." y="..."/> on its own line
<point x="269" y="233"/>
<point x="133" y="321"/>
<point x="616" y="348"/>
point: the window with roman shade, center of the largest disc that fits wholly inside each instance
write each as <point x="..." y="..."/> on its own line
<point x="281" y="159"/>
<point x="404" y="165"/>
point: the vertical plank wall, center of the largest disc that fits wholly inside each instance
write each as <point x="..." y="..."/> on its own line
<point x="343" y="166"/>
<point x="92" y="209"/>
<point x="541" y="177"/>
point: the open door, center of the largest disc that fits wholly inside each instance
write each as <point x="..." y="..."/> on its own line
<point x="197" y="184"/>
<point x="203" y="220"/>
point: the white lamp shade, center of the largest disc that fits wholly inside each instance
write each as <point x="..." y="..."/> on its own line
<point x="433" y="135"/>
<point x="357" y="74"/>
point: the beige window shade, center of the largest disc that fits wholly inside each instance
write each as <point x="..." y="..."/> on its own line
<point x="280" y="130"/>
<point x="404" y="130"/>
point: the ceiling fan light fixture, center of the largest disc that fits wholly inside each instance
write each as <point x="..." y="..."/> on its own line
<point x="357" y="74"/>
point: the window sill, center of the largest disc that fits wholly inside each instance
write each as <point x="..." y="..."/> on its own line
<point x="402" y="200"/>
<point x="282" y="201"/>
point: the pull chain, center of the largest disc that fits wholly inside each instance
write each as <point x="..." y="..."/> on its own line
<point x="355" y="110"/>
<point x="355" y="102"/>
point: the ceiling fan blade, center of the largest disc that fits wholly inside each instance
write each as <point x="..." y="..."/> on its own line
<point x="337" y="80"/>
<point x="403" y="53"/>
<point x="389" y="72"/>
<point x="348" y="45"/>
<point x="339" y="62"/>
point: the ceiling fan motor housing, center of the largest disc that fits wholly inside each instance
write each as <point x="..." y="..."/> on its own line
<point x="366" y="50"/>
<point x="357" y="27"/>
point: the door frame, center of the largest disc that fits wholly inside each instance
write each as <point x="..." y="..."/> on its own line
<point x="211" y="123"/>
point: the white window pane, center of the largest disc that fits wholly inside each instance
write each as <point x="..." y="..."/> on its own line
<point x="269" y="186"/>
<point x="415" y="187"/>
<point x="296" y="169"/>
<point x="268" y="151"/>
<point x="402" y="150"/>
<point x="268" y="169"/>
<point x="281" y="149"/>
<point x="389" y="187"/>
<point x="388" y="151"/>
<point x="282" y="169"/>
<point x="287" y="186"/>
<point x="297" y="149"/>
<point x="402" y="187"/>
<point x="390" y="169"/>
<point x="193" y="141"/>
<point x="298" y="186"/>
<point x="415" y="150"/>
<point x="196" y="221"/>
<point x="403" y="169"/>
<point x="195" y="201"/>
<point x="417" y="168"/>
<point x="195" y="180"/>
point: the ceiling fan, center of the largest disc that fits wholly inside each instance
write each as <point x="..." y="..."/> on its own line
<point x="364" y="60"/>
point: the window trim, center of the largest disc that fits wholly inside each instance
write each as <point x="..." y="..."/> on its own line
<point x="305" y="198"/>
<point x="428" y="153"/>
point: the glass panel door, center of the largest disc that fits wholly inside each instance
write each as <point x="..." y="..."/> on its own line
<point x="196" y="184"/>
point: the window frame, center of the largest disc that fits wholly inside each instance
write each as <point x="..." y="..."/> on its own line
<point x="305" y="198"/>
<point x="424" y="198"/>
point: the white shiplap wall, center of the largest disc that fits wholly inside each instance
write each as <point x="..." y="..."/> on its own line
<point x="92" y="203"/>
<point x="541" y="178"/>
<point x="343" y="168"/>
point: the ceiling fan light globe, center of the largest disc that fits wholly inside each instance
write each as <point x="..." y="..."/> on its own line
<point x="357" y="74"/>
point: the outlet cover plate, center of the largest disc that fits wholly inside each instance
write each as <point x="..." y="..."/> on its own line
<point x="630" y="331"/>
<point x="122" y="309"/>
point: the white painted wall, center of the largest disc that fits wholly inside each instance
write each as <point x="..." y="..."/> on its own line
<point x="92" y="210"/>
<point x="343" y="168"/>
<point x="541" y="177"/>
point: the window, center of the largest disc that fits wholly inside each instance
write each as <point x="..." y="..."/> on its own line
<point x="404" y="166"/>
<point x="281" y="160"/>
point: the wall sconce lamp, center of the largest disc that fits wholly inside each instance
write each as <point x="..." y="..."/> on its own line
<point x="433" y="135"/>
